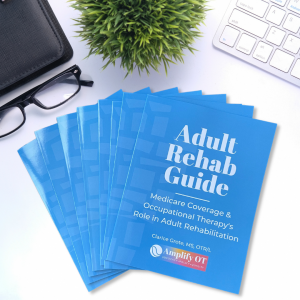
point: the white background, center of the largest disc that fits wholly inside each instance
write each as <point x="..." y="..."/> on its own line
<point x="34" y="263"/>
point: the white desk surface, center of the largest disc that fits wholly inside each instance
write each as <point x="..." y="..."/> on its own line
<point x="34" y="263"/>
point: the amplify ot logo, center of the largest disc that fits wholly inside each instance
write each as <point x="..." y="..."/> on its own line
<point x="180" y="257"/>
<point x="156" y="250"/>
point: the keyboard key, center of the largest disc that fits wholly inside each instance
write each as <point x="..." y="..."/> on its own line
<point x="279" y="2"/>
<point x="262" y="52"/>
<point x="257" y="7"/>
<point x="248" y="23"/>
<point x="292" y="44"/>
<point x="275" y="36"/>
<point x="246" y="43"/>
<point x="281" y="61"/>
<point x="229" y="36"/>
<point x="296" y="70"/>
<point x="294" y="5"/>
<point x="292" y="23"/>
<point x="275" y="15"/>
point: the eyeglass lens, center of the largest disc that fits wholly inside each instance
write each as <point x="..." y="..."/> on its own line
<point x="58" y="91"/>
<point x="10" y="119"/>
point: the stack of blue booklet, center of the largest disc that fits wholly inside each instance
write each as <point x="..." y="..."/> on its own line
<point x="167" y="182"/>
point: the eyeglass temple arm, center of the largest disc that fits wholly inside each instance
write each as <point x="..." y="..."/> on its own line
<point x="82" y="82"/>
<point x="89" y="83"/>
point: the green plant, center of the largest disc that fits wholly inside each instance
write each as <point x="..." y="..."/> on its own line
<point x="142" y="33"/>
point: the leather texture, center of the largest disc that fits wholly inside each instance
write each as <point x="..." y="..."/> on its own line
<point x="31" y="42"/>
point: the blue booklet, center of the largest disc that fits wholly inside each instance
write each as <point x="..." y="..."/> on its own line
<point x="115" y="121"/>
<point x="87" y="117"/>
<point x="35" y="165"/>
<point x="69" y="134"/>
<point x="191" y="193"/>
<point x="104" y="132"/>
<point x="104" y="111"/>
<point x="135" y="117"/>
<point x="132" y="109"/>
<point x="51" y="148"/>
<point x="68" y="130"/>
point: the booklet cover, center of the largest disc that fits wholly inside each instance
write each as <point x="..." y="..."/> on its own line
<point x="132" y="109"/>
<point x="52" y="151"/>
<point x="104" y="121"/>
<point x="87" y="117"/>
<point x="115" y="121"/>
<point x="191" y="194"/>
<point x="69" y="134"/>
<point x="35" y="165"/>
<point x="104" y="128"/>
<point x="68" y="130"/>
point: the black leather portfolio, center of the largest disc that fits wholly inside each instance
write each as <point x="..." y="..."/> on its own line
<point x="31" y="42"/>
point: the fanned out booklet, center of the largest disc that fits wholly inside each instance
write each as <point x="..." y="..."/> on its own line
<point x="167" y="182"/>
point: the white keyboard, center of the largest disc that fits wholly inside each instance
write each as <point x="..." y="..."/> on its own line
<point x="264" y="33"/>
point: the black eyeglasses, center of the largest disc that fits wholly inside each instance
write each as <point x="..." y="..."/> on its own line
<point x="48" y="95"/>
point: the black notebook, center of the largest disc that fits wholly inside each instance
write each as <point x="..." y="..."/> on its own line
<point x="31" y="42"/>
